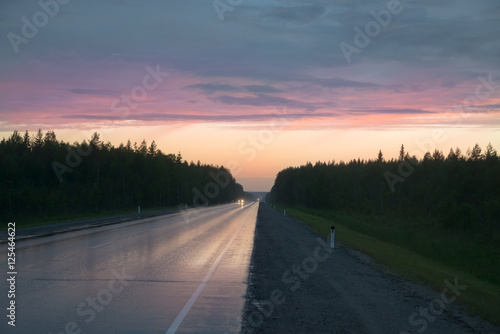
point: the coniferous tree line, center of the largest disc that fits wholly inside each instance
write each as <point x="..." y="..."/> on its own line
<point x="41" y="176"/>
<point x="461" y="190"/>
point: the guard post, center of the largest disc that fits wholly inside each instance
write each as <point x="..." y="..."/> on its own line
<point x="332" y="242"/>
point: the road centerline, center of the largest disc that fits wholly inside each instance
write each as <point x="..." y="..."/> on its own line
<point x="101" y="245"/>
<point x="185" y="310"/>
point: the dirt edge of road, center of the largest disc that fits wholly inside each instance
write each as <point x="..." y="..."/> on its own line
<point x="296" y="284"/>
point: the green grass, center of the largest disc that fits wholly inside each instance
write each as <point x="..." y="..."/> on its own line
<point x="421" y="251"/>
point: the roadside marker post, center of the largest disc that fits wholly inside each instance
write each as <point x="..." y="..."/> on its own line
<point x="332" y="242"/>
<point x="139" y="209"/>
<point x="284" y="212"/>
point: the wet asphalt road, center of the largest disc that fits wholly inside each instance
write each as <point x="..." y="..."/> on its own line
<point x="180" y="273"/>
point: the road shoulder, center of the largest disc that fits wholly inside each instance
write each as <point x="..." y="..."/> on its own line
<point x="296" y="286"/>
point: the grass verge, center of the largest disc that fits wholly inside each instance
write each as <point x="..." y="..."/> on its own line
<point x="40" y="221"/>
<point x="480" y="297"/>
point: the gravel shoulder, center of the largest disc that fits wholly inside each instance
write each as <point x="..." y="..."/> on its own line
<point x="298" y="285"/>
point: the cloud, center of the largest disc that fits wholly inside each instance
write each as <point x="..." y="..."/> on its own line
<point x="287" y="76"/>
<point x="265" y="53"/>
<point x="338" y="82"/>
<point x="492" y="108"/>
<point x="208" y="118"/>
<point x="299" y="15"/>
<point x="391" y="111"/>
<point x="210" y="88"/>
<point x="264" y="100"/>
<point x="449" y="84"/>
<point x="92" y="91"/>
<point x="261" y="89"/>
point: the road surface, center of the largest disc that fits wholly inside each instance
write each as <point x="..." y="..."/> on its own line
<point x="180" y="273"/>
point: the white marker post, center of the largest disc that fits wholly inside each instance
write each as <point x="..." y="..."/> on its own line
<point x="284" y="212"/>
<point x="139" y="209"/>
<point x="332" y="242"/>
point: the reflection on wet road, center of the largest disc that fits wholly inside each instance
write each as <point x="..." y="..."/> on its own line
<point x="180" y="273"/>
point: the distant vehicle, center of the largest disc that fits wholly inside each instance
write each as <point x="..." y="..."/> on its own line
<point x="241" y="201"/>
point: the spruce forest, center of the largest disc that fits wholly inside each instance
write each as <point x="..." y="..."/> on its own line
<point x="43" y="177"/>
<point x="459" y="190"/>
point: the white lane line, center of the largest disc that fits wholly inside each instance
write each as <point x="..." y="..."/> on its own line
<point x="185" y="310"/>
<point x="107" y="243"/>
<point x="155" y="229"/>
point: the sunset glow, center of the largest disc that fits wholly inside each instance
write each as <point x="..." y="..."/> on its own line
<point x="266" y="88"/>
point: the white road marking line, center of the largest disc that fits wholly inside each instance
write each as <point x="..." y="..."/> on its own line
<point x="155" y="229"/>
<point x="185" y="310"/>
<point x="107" y="243"/>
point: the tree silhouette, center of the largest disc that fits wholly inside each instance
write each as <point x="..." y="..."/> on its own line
<point x="44" y="177"/>
<point x="402" y="153"/>
<point x="461" y="191"/>
<point x="380" y="157"/>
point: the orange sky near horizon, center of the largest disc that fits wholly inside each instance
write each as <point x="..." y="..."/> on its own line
<point x="266" y="87"/>
<point x="260" y="152"/>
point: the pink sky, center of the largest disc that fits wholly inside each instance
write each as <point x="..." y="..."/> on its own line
<point x="265" y="88"/>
